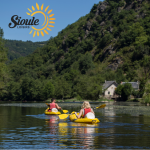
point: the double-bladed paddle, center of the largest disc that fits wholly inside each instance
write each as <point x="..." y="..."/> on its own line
<point x="64" y="116"/>
<point x="64" y="111"/>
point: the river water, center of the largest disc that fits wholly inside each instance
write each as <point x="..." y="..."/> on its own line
<point x="25" y="126"/>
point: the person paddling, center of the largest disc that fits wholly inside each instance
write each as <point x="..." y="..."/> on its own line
<point x="53" y="106"/>
<point x="86" y="111"/>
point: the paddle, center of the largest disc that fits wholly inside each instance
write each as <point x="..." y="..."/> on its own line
<point x="64" y="116"/>
<point x="101" y="106"/>
<point x="64" y="111"/>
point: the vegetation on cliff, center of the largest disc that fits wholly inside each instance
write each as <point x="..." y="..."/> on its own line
<point x="112" y="42"/>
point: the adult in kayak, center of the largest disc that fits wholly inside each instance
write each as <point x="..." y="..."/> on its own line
<point x="53" y="106"/>
<point x="86" y="111"/>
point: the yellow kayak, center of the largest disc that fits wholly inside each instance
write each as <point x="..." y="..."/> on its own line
<point x="73" y="118"/>
<point x="51" y="113"/>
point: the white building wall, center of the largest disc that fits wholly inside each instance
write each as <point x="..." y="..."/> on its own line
<point x="110" y="90"/>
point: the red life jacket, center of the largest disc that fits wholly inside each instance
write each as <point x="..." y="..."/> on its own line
<point x="52" y="105"/>
<point x="86" y="110"/>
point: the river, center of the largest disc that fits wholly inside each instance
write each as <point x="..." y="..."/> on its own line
<point x="122" y="126"/>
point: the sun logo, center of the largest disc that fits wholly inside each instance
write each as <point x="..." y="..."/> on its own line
<point x="48" y="19"/>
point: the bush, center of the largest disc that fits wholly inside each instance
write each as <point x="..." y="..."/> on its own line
<point x="78" y="97"/>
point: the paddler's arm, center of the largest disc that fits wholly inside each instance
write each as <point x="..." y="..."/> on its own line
<point x="92" y="111"/>
<point x="80" y="114"/>
<point x="57" y="106"/>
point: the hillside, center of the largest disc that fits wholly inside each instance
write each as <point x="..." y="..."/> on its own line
<point x="18" y="49"/>
<point x="112" y="42"/>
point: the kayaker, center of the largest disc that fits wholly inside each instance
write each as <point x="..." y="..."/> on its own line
<point x="86" y="111"/>
<point x="53" y="106"/>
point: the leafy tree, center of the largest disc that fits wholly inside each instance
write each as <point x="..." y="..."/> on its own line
<point x="3" y="67"/>
<point x="126" y="91"/>
<point x="87" y="88"/>
<point x="85" y="63"/>
<point x="135" y="34"/>
<point x="62" y="89"/>
<point x="14" y="91"/>
<point x="146" y="96"/>
<point x="106" y="39"/>
<point x="118" y="91"/>
<point x="49" y="90"/>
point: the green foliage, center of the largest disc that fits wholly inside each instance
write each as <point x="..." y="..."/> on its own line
<point x="17" y="49"/>
<point x="78" y="97"/>
<point x="48" y="90"/>
<point x="121" y="4"/>
<point x="85" y="63"/>
<point x="1" y="32"/>
<point x="119" y="89"/>
<point x="105" y="40"/>
<point x="120" y="76"/>
<point x="31" y="89"/>
<point x="63" y="66"/>
<point x="124" y="90"/>
<point x="14" y="91"/>
<point x="135" y="35"/>
<point x="62" y="89"/>
<point x="146" y="97"/>
<point x="72" y="38"/>
<point x="3" y="67"/>
<point x="88" y="88"/>
<point x="93" y="11"/>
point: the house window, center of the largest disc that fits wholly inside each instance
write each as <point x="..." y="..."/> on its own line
<point x="108" y="92"/>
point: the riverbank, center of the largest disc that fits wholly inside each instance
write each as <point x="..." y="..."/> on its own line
<point x="77" y="100"/>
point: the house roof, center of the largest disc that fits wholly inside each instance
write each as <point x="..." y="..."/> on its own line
<point x="108" y="84"/>
<point x="135" y="85"/>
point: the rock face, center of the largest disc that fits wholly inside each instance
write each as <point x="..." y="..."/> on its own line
<point x="108" y="51"/>
<point x="110" y="29"/>
<point x="101" y="8"/>
<point x="119" y="9"/>
<point x="102" y="23"/>
<point x="88" y="25"/>
<point x="86" y="34"/>
<point x="114" y="65"/>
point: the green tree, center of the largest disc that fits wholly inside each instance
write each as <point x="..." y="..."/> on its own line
<point x="118" y="91"/>
<point x="85" y="63"/>
<point x="146" y="96"/>
<point x="62" y="88"/>
<point x="126" y="91"/>
<point x="3" y="67"/>
<point x="49" y="90"/>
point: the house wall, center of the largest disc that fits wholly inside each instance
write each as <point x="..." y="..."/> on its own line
<point x="111" y="89"/>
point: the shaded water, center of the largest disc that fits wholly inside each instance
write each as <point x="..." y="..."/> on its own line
<point x="25" y="126"/>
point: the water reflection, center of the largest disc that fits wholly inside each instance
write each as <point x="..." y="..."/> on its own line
<point x="71" y="134"/>
<point x="30" y="128"/>
<point x="85" y="134"/>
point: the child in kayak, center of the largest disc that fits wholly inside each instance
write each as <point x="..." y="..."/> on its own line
<point x="53" y="106"/>
<point x="86" y="111"/>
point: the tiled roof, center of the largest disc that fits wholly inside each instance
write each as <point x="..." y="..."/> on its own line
<point x="108" y="83"/>
<point x="135" y="85"/>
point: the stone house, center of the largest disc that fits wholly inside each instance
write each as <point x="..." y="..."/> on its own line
<point x="135" y="85"/>
<point x="109" y="88"/>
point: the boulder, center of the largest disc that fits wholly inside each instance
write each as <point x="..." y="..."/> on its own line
<point x="102" y="23"/>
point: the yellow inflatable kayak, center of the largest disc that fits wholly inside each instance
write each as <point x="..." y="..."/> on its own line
<point x="73" y="118"/>
<point x="51" y="113"/>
